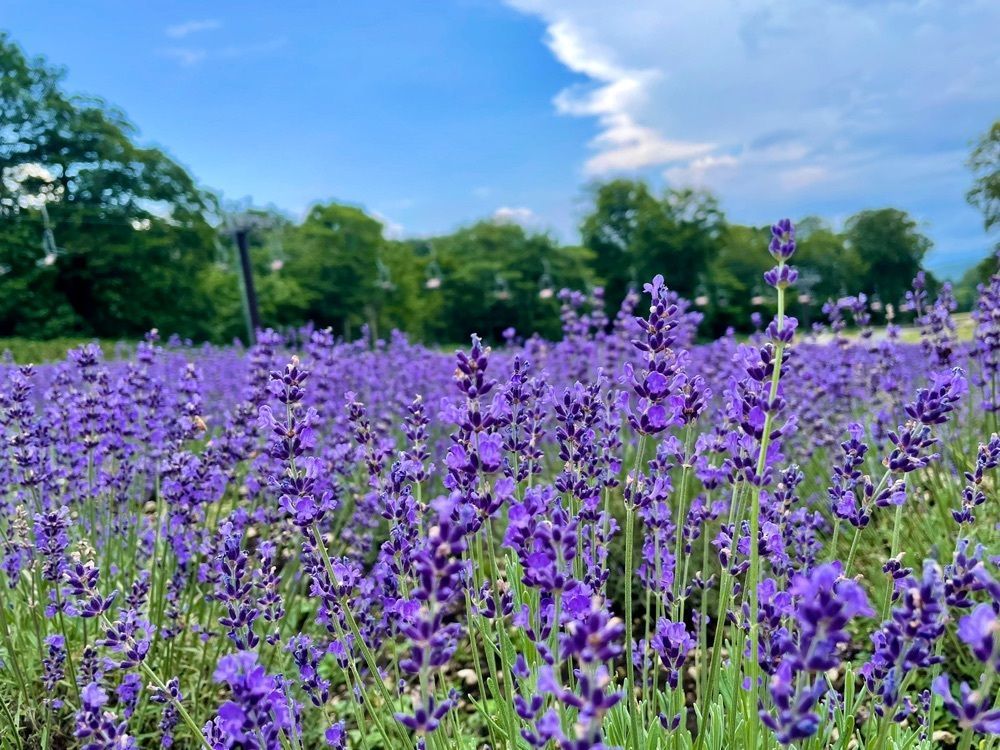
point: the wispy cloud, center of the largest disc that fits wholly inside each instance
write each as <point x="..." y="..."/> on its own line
<point x="190" y="55"/>
<point x="391" y="230"/>
<point x="623" y="143"/>
<point x="181" y="30"/>
<point x="788" y="105"/>
<point x="186" y="56"/>
<point x="515" y="215"/>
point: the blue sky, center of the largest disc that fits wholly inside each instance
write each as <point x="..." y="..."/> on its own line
<point x="433" y="114"/>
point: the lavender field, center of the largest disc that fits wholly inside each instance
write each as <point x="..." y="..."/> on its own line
<point x="621" y="539"/>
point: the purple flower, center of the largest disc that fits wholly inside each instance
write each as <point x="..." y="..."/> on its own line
<point x="905" y="642"/>
<point x="593" y="637"/>
<point x="51" y="541"/>
<point x="825" y="604"/>
<point x="672" y="643"/>
<point x="258" y="709"/>
<point x="336" y="736"/>
<point x="794" y="718"/>
<point x="52" y="666"/>
<point x="782" y="245"/>
<point x="97" y="728"/>
<point x="974" y="709"/>
<point x="980" y="631"/>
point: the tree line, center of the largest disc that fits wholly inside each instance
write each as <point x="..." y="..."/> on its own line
<point x="101" y="236"/>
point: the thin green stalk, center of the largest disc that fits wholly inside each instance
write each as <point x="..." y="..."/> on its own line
<point x="725" y="592"/>
<point x="753" y="579"/>
<point x="474" y="629"/>
<point x="356" y="675"/>
<point x="853" y="552"/>
<point x="69" y="647"/>
<point x="629" y="666"/>
<point x="504" y="652"/>
<point x="659" y="610"/>
<point x="353" y="626"/>
<point x="185" y="716"/>
<point x="836" y="537"/>
<point x="13" y="724"/>
<point x="678" y="606"/>
<point x="893" y="551"/>
<point x="885" y="722"/>
<point x="11" y="651"/>
<point x="629" y="574"/>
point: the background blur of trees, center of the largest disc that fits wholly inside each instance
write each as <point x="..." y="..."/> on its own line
<point x="102" y="237"/>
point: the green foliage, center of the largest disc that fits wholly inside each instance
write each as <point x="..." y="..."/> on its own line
<point x="497" y="275"/>
<point x="985" y="165"/>
<point x="890" y="246"/>
<point x="333" y="255"/>
<point x="99" y="236"/>
<point x="32" y="351"/>
<point x="966" y="290"/>
<point x="634" y="235"/>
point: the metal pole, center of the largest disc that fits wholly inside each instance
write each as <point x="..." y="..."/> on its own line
<point x="249" y="292"/>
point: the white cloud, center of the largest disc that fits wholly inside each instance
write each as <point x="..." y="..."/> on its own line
<point x="186" y="56"/>
<point x="181" y="30"/>
<point x="391" y="230"/>
<point x="811" y="105"/>
<point x="190" y="56"/>
<point x="515" y="215"/>
<point x="622" y="144"/>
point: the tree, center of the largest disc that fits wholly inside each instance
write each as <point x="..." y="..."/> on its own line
<point x="334" y="254"/>
<point x="891" y="249"/>
<point x="985" y="165"/>
<point x="129" y="235"/>
<point x="634" y="235"/>
<point x="614" y="231"/>
<point x="496" y="275"/>
<point x="734" y="285"/>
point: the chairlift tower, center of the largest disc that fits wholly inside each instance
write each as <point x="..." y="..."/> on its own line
<point x="240" y="225"/>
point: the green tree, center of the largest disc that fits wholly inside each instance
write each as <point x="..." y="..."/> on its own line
<point x="129" y="235"/>
<point x="890" y="245"/>
<point x="635" y="235"/>
<point x="496" y="275"/>
<point x="734" y="282"/>
<point x="985" y="165"/>
<point x="334" y="255"/>
<point x="615" y="231"/>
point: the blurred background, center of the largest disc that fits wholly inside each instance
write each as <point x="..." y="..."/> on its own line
<point x="443" y="168"/>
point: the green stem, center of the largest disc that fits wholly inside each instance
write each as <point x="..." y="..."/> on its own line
<point x="11" y="652"/>
<point x="854" y="549"/>
<point x="356" y="675"/>
<point x="629" y="573"/>
<point x="678" y="606"/>
<point x="753" y="579"/>
<point x="355" y="631"/>
<point x="893" y="551"/>
<point x="504" y="650"/>
<point x="185" y="716"/>
<point x="629" y="666"/>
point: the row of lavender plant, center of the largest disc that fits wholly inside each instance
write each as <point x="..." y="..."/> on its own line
<point x="621" y="539"/>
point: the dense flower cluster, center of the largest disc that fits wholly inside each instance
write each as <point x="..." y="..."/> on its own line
<point x="620" y="539"/>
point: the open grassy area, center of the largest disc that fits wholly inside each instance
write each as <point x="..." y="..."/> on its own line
<point x="25" y="351"/>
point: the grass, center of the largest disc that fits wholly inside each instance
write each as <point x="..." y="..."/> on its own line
<point x="31" y="351"/>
